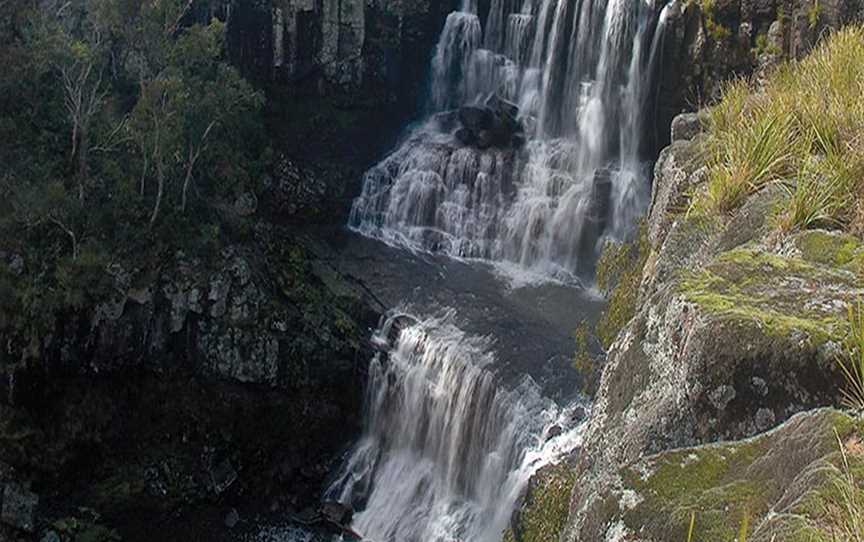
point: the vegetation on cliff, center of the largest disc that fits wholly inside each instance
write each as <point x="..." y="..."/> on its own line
<point x="124" y="135"/>
<point x="802" y="129"/>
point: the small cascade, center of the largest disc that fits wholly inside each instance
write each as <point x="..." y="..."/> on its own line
<point x="578" y="76"/>
<point x="446" y="449"/>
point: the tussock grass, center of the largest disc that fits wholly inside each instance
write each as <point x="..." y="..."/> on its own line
<point x="852" y="360"/>
<point x="804" y="130"/>
<point x="845" y="510"/>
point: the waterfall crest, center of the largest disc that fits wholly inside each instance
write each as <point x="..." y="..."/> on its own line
<point x="446" y="450"/>
<point x="578" y="74"/>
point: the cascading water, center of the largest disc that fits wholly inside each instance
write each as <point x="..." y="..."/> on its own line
<point x="446" y="450"/>
<point x="580" y="73"/>
<point x="447" y="446"/>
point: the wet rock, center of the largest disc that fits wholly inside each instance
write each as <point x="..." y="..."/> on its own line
<point x="232" y="518"/>
<point x="598" y="215"/>
<point x="50" y="536"/>
<point x="337" y="513"/>
<point x="222" y="477"/>
<point x="504" y="109"/>
<point x="493" y="125"/>
<point x="687" y="126"/>
<point x="19" y="507"/>
<point x="485" y="139"/>
<point x="465" y="136"/>
<point x="476" y="119"/>
<point x="554" y="431"/>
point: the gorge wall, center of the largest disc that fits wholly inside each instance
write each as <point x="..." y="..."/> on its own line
<point x="185" y="386"/>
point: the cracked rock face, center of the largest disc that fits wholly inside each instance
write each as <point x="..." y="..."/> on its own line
<point x="734" y="333"/>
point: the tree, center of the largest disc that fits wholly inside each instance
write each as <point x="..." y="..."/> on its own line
<point x="156" y="128"/>
<point x="215" y="94"/>
<point x="195" y="98"/>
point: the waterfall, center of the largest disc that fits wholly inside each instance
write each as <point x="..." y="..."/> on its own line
<point x="581" y="74"/>
<point x="446" y="449"/>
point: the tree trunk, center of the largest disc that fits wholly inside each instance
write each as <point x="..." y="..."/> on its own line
<point x="160" y="190"/>
<point x="190" y="166"/>
<point x="83" y="166"/>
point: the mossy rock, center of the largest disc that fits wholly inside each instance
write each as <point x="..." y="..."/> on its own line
<point x="833" y="249"/>
<point x="787" y="297"/>
<point x="787" y="473"/>
<point x="543" y="513"/>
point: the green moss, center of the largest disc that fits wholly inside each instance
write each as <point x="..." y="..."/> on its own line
<point x="547" y="504"/>
<point x="750" y="284"/>
<point x="723" y="484"/>
<point x="619" y="271"/>
<point x="834" y="249"/>
<point x="703" y="482"/>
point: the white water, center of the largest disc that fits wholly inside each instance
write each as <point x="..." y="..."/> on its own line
<point x="581" y="72"/>
<point x="446" y="450"/>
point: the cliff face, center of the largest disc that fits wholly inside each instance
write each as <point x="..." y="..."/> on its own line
<point x="202" y="381"/>
<point x="378" y="50"/>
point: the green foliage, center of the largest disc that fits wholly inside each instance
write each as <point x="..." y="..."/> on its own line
<point x="124" y="135"/>
<point x="582" y="356"/>
<point x="804" y="130"/>
<point x="716" y="30"/>
<point x="619" y="273"/>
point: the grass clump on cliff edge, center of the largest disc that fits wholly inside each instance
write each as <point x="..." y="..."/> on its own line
<point x="852" y="361"/>
<point x="804" y="129"/>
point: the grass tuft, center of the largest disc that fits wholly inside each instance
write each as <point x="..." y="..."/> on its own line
<point x="804" y="129"/>
<point x="851" y="362"/>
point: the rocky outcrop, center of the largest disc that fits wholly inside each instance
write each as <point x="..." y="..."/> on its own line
<point x="211" y="377"/>
<point x="774" y="482"/>
<point x="737" y="330"/>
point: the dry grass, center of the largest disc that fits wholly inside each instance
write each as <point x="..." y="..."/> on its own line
<point x="804" y="129"/>
<point x="852" y="360"/>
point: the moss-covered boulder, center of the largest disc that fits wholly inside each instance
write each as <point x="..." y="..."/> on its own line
<point x="776" y="486"/>
<point x="543" y="513"/>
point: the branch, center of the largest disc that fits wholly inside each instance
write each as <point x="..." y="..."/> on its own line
<point x="172" y="30"/>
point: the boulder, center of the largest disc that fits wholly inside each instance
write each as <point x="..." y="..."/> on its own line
<point x="465" y="136"/>
<point x="782" y="481"/>
<point x="19" y="507"/>
<point x="476" y="119"/>
<point x="337" y="513"/>
<point x="494" y="124"/>
<point x="687" y="126"/>
<point x="503" y="108"/>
